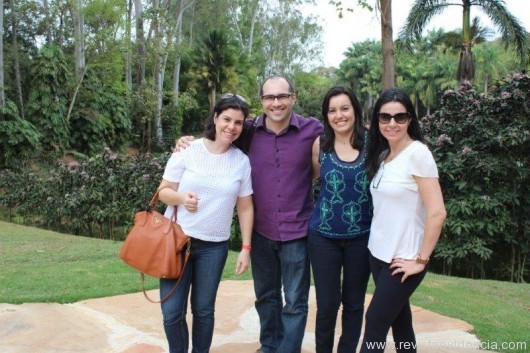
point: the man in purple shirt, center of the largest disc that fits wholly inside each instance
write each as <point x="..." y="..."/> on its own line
<point x="280" y="156"/>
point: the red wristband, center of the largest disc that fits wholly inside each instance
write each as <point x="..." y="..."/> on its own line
<point x="246" y="247"/>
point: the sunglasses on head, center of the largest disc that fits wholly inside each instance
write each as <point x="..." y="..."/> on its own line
<point x="230" y="95"/>
<point x="400" y="118"/>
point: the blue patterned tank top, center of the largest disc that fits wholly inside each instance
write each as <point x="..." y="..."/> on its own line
<point x="344" y="206"/>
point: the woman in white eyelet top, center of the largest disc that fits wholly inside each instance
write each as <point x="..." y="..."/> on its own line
<point x="205" y="181"/>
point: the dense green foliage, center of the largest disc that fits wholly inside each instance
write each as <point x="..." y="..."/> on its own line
<point x="479" y="141"/>
<point x="95" y="196"/>
<point x="481" y="145"/>
<point x="19" y="138"/>
<point x="48" y="98"/>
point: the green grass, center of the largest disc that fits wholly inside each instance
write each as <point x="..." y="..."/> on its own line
<point x="43" y="266"/>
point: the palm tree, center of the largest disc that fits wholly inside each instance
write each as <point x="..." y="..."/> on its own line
<point x="216" y="61"/>
<point x="489" y="64"/>
<point x="385" y="6"/>
<point x="478" y="32"/>
<point x="512" y="32"/>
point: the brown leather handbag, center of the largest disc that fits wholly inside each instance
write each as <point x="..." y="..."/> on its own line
<point x="156" y="246"/>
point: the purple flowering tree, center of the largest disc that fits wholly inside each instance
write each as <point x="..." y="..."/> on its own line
<point x="481" y="144"/>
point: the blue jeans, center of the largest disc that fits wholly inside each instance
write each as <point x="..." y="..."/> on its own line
<point x="276" y="263"/>
<point x="390" y="307"/>
<point x="203" y="274"/>
<point x="341" y="270"/>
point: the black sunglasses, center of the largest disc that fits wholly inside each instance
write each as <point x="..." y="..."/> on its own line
<point x="400" y="118"/>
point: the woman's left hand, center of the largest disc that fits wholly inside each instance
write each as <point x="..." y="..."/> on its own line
<point x="406" y="267"/>
<point x="243" y="262"/>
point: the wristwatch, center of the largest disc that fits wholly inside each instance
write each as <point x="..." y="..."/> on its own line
<point x="419" y="260"/>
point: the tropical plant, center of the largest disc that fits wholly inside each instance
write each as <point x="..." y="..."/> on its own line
<point x="424" y="70"/>
<point x="310" y="90"/>
<point x="19" y="139"/>
<point x="216" y="59"/>
<point x="481" y="144"/>
<point x="100" y="119"/>
<point x="489" y="66"/>
<point x="362" y="71"/>
<point x="512" y="32"/>
<point x="48" y="97"/>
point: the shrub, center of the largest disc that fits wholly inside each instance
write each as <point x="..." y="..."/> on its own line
<point x="95" y="196"/>
<point x="481" y="145"/>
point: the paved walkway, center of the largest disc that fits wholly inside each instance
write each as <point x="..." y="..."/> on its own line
<point x="130" y="324"/>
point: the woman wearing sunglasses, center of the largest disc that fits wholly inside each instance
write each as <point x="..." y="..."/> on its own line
<point x="206" y="181"/>
<point x="409" y="213"/>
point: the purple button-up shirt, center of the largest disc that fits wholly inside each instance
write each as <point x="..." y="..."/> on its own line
<point x="281" y="178"/>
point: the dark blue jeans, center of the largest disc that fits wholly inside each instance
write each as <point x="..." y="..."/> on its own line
<point x="390" y="307"/>
<point x="276" y="263"/>
<point x="341" y="271"/>
<point x="202" y="274"/>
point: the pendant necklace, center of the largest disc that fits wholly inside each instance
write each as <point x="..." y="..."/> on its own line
<point x="391" y="157"/>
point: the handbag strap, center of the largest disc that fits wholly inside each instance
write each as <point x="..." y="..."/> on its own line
<point x="186" y="257"/>
<point x="154" y="201"/>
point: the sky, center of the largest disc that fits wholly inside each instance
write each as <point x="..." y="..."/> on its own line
<point x="340" y="33"/>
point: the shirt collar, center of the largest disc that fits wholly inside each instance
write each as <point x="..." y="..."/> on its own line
<point x="294" y="123"/>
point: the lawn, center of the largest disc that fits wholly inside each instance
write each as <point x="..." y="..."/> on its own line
<point x="44" y="266"/>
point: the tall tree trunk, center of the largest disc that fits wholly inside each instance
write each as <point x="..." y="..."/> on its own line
<point x="466" y="64"/>
<point x="183" y="6"/>
<point x="140" y="43"/>
<point x="387" y="43"/>
<point x="191" y="25"/>
<point x="49" y="38"/>
<point x="255" y="12"/>
<point x="128" y="55"/>
<point x="178" y="42"/>
<point x="79" y="22"/>
<point x="159" y="29"/>
<point x="18" y="81"/>
<point x="159" y="80"/>
<point x="211" y="97"/>
<point x="2" y="88"/>
<point x="140" y="65"/>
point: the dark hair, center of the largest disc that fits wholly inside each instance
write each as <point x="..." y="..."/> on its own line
<point x="231" y="101"/>
<point x="291" y="86"/>
<point x="356" y="139"/>
<point x="377" y="144"/>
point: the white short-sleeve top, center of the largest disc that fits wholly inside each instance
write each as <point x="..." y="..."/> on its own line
<point x="217" y="179"/>
<point x="399" y="212"/>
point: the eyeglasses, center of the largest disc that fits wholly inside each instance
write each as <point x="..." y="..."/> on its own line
<point x="400" y="118"/>
<point x="379" y="176"/>
<point x="269" y="98"/>
<point x="230" y="95"/>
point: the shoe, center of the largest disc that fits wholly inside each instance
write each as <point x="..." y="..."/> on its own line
<point x="259" y="350"/>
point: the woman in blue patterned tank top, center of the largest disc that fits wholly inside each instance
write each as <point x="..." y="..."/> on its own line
<point x="340" y="225"/>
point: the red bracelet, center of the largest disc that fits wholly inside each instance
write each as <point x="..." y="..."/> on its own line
<point x="246" y="247"/>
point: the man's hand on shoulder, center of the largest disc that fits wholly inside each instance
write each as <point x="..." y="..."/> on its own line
<point x="182" y="143"/>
